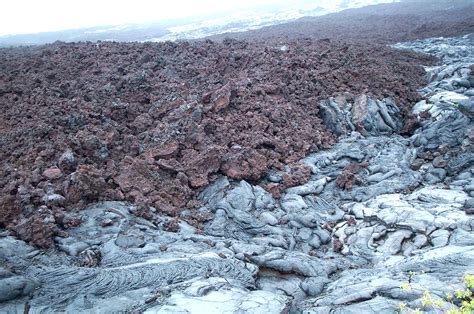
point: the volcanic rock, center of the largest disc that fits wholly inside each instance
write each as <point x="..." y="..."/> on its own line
<point x="67" y="162"/>
<point x="52" y="173"/>
<point x="13" y="286"/>
<point x="240" y="116"/>
<point x="439" y="162"/>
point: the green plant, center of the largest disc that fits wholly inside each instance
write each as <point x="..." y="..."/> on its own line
<point x="464" y="297"/>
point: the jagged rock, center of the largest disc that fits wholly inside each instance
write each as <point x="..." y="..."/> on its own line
<point x="366" y="115"/>
<point x="439" y="162"/>
<point x="67" y="162"/>
<point x="53" y="199"/>
<point x="52" y="173"/>
<point x="12" y="286"/>
<point x="336" y="116"/>
<point x="449" y="129"/>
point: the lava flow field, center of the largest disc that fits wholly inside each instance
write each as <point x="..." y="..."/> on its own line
<point x="154" y="123"/>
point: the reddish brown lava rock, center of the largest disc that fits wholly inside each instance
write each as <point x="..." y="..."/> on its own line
<point x="171" y="226"/>
<point x="337" y="245"/>
<point x="425" y="115"/>
<point x="134" y="174"/>
<point x="241" y="163"/>
<point x="274" y="189"/>
<point x="9" y="209"/>
<point x="38" y="229"/>
<point x="52" y="173"/>
<point x="220" y="99"/>
<point x="66" y="220"/>
<point x="417" y="163"/>
<point x="351" y="221"/>
<point x="348" y="175"/>
<point x="410" y="124"/>
<point x="85" y="185"/>
<point x="298" y="174"/>
<point x="165" y="151"/>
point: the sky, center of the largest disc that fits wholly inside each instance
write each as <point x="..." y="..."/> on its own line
<point x="34" y="16"/>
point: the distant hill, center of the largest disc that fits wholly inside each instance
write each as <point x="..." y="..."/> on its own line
<point x="195" y="27"/>
<point x="391" y="22"/>
<point x="115" y="33"/>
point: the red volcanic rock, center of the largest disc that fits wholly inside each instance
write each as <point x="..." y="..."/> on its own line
<point x="85" y="185"/>
<point x="410" y="125"/>
<point x="241" y="163"/>
<point x="221" y="98"/>
<point x="202" y="162"/>
<point x="9" y="209"/>
<point x="348" y="176"/>
<point x="52" y="173"/>
<point x="274" y="189"/>
<point x="134" y="175"/>
<point x="171" y="226"/>
<point x="337" y="245"/>
<point x="142" y="122"/>
<point x="298" y="174"/>
<point x="38" y="229"/>
<point x="165" y="151"/>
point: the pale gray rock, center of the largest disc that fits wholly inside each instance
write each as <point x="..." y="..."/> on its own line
<point x="13" y="286"/>
<point x="53" y="199"/>
<point x="217" y="296"/>
<point x="439" y="237"/>
<point x="365" y="114"/>
<point x="313" y="286"/>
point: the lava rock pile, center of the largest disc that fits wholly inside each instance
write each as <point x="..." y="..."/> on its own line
<point x="155" y="123"/>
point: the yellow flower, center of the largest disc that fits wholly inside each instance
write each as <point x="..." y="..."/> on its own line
<point x="405" y="286"/>
<point x="402" y="306"/>
<point x="426" y="300"/>
<point x="439" y="303"/>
